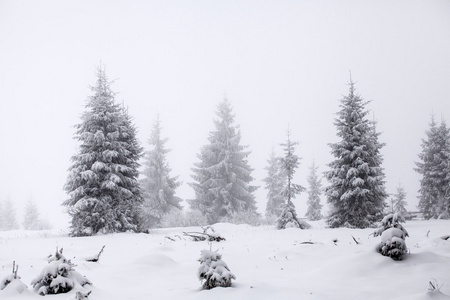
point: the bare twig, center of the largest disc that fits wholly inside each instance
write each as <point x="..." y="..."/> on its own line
<point x="355" y="240"/>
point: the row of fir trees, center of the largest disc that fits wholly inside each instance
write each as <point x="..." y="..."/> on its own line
<point x="103" y="185"/>
<point x="106" y="194"/>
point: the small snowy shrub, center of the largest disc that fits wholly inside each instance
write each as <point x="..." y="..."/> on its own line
<point x="392" y="237"/>
<point x="59" y="276"/>
<point x="213" y="270"/>
<point x="13" y="280"/>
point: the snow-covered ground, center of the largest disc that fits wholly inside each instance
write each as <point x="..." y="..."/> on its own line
<point x="268" y="263"/>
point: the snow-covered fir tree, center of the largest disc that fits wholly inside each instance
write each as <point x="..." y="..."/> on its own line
<point x="8" y="216"/>
<point x="59" y="276"/>
<point x="158" y="187"/>
<point x="314" y="211"/>
<point x="434" y="196"/>
<point x="289" y="163"/>
<point x="393" y="236"/>
<point x="223" y="175"/>
<point x="274" y="184"/>
<point x="356" y="192"/>
<point x="31" y="216"/>
<point x="445" y="210"/>
<point x="104" y="194"/>
<point x="213" y="271"/>
<point x="399" y="202"/>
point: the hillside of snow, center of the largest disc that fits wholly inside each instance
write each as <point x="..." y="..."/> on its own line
<point x="318" y="263"/>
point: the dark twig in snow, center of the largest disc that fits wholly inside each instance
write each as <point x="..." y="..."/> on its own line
<point x="355" y="240"/>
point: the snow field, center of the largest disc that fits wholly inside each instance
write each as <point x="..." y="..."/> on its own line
<point x="268" y="263"/>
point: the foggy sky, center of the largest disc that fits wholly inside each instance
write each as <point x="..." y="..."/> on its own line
<point x="281" y="64"/>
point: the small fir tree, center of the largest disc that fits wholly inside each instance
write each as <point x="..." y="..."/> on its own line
<point x="59" y="276"/>
<point x="314" y="191"/>
<point x="399" y="203"/>
<point x="158" y="187"/>
<point x="289" y="164"/>
<point x="104" y="193"/>
<point x="213" y="271"/>
<point x="223" y="175"/>
<point x="393" y="236"/>
<point x="274" y="184"/>
<point x="356" y="192"/>
<point x="434" y="196"/>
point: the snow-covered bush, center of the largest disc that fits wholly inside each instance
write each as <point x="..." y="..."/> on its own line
<point x="393" y="236"/>
<point x="213" y="270"/>
<point x="13" y="280"/>
<point x="59" y="276"/>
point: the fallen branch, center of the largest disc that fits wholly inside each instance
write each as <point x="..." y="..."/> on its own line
<point x="355" y="240"/>
<point x="307" y="243"/>
<point x="200" y="236"/>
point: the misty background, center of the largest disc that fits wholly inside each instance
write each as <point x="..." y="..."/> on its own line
<point x="280" y="63"/>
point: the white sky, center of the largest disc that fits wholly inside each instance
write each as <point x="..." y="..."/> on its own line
<point x="281" y="63"/>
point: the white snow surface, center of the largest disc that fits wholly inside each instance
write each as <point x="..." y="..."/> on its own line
<point x="268" y="263"/>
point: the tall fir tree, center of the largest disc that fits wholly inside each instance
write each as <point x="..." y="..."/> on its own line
<point x="8" y="216"/>
<point x="104" y="194"/>
<point x="31" y="216"/>
<point x="274" y="184"/>
<point x="399" y="202"/>
<point x="445" y="210"/>
<point x="223" y="175"/>
<point x="314" y="211"/>
<point x="434" y="196"/>
<point x="356" y="192"/>
<point x="289" y="164"/>
<point x="158" y="187"/>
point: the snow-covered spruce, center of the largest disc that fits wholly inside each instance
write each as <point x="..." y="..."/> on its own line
<point x="274" y="184"/>
<point x="59" y="276"/>
<point x="13" y="280"/>
<point x="434" y="192"/>
<point x="104" y="194"/>
<point x="158" y="187"/>
<point x="213" y="271"/>
<point x="289" y="163"/>
<point x="393" y="236"/>
<point x="223" y="175"/>
<point x="356" y="192"/>
<point x="313" y="212"/>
